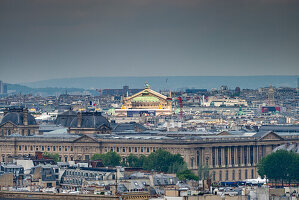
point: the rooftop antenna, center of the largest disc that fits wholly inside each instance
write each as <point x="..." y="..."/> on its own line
<point x="166" y="84"/>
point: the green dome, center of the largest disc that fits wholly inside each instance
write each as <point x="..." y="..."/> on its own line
<point x="145" y="99"/>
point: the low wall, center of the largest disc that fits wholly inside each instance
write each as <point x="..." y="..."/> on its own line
<point x="208" y="197"/>
<point x="51" y="196"/>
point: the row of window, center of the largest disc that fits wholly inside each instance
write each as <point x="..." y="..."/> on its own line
<point x="86" y="174"/>
<point x="11" y="131"/>
<point x="47" y="148"/>
<point x="131" y="149"/>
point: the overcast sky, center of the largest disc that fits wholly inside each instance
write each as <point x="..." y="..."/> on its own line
<point x="45" y="39"/>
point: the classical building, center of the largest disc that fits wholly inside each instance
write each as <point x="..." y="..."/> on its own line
<point x="230" y="157"/>
<point x="147" y="102"/>
<point x="214" y="101"/>
<point x="18" y="120"/>
<point x="89" y="123"/>
<point x="84" y="122"/>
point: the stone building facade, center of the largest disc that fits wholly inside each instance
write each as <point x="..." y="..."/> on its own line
<point x="229" y="157"/>
<point x="89" y="123"/>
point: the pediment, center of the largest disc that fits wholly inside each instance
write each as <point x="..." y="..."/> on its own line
<point x="86" y="139"/>
<point x="8" y="125"/>
<point x="271" y="136"/>
<point x="224" y="133"/>
<point x="151" y="92"/>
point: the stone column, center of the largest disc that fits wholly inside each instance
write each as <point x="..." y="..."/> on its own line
<point x="229" y="156"/>
<point x="242" y="155"/>
<point x="216" y="156"/>
<point x="223" y="158"/>
<point x="248" y="156"/>
<point x="254" y="155"/>
<point x="236" y="155"/>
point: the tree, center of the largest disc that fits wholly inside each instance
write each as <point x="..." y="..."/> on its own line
<point x="203" y="172"/>
<point x="54" y="156"/>
<point x="177" y="167"/>
<point x="164" y="161"/>
<point x="160" y="160"/>
<point x="187" y="175"/>
<point x="97" y="156"/>
<point x="281" y="165"/>
<point x="112" y="159"/>
<point x="108" y="159"/>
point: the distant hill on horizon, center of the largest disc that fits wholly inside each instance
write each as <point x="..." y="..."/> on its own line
<point x="168" y="82"/>
<point x="46" y="91"/>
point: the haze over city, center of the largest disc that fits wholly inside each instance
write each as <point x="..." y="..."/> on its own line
<point x="50" y="39"/>
<point x="149" y="99"/>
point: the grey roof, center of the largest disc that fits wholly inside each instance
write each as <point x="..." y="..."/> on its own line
<point x="17" y="118"/>
<point x="128" y="127"/>
<point x="261" y="134"/>
<point x="65" y="118"/>
<point x="48" y="174"/>
<point x="280" y="128"/>
<point x="15" y="135"/>
<point x="162" y="179"/>
<point x="58" y="133"/>
<point x="90" y="120"/>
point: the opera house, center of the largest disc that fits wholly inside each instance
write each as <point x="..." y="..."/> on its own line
<point x="147" y="102"/>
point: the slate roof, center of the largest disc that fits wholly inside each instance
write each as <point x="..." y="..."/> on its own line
<point x="128" y="127"/>
<point x="90" y="120"/>
<point x="17" y="118"/>
<point x="65" y="118"/>
<point x="280" y="128"/>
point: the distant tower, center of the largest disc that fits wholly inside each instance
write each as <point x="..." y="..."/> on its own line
<point x="1" y="87"/>
<point x="4" y="91"/>
<point x="237" y="91"/>
<point x="271" y="101"/>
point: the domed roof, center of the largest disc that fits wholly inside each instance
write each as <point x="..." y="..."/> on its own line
<point x="90" y="120"/>
<point x="17" y="118"/>
<point x="65" y="118"/>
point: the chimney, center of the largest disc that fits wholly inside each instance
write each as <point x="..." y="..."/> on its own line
<point x="79" y="120"/>
<point x="25" y="119"/>
<point x="5" y="111"/>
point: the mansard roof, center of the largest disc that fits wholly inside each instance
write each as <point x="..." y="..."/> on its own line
<point x="90" y="120"/>
<point x="17" y="118"/>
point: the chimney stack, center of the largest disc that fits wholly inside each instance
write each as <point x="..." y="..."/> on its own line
<point x="79" y="120"/>
<point x="25" y="119"/>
